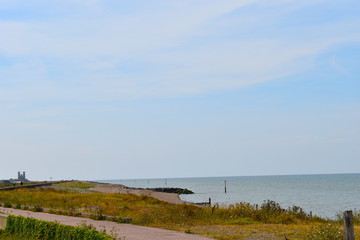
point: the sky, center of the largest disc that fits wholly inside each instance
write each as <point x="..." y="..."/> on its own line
<point x="115" y="89"/>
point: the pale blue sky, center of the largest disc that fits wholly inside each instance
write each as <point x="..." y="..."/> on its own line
<point x="94" y="89"/>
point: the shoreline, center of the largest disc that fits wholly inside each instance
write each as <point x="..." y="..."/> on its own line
<point x="120" y="188"/>
<point x="98" y="202"/>
<point x="322" y="194"/>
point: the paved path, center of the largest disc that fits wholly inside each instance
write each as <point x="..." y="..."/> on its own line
<point x="25" y="186"/>
<point x="129" y="231"/>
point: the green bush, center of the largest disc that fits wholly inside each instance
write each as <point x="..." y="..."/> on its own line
<point x="38" y="229"/>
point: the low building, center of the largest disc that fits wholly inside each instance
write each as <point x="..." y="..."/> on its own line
<point x="21" y="178"/>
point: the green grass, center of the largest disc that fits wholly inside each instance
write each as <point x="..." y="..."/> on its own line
<point x="76" y="184"/>
<point x="8" y="236"/>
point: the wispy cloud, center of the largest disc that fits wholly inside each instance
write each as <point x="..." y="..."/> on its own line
<point x="160" y="49"/>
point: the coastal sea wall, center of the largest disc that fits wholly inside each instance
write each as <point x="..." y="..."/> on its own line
<point x="26" y="186"/>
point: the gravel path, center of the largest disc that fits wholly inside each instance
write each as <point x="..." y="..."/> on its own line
<point x="124" y="231"/>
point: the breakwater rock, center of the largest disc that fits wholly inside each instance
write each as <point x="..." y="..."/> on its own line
<point x="167" y="190"/>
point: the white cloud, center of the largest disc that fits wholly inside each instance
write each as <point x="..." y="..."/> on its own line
<point x="180" y="49"/>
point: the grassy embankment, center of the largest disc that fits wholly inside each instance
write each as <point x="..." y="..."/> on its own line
<point x="238" y="221"/>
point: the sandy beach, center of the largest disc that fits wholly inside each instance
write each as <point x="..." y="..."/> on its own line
<point x="119" y="188"/>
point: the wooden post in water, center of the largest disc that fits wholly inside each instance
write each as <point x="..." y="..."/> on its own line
<point x="348" y="226"/>
<point x="225" y="186"/>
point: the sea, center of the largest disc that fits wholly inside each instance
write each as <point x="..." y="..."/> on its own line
<point x="324" y="195"/>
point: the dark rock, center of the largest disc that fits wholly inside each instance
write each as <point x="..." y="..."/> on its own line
<point x="166" y="190"/>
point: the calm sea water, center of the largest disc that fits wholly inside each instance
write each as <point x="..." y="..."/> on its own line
<point x="324" y="195"/>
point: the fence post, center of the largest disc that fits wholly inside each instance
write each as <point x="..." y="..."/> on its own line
<point x="348" y="226"/>
<point x="2" y="221"/>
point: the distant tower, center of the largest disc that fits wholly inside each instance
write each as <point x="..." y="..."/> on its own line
<point x="21" y="176"/>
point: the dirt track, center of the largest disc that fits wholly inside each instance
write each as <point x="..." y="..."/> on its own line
<point x="130" y="232"/>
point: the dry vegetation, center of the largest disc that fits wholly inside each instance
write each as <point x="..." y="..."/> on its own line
<point x="239" y="221"/>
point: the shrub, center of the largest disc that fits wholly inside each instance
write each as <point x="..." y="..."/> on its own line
<point x="7" y="205"/>
<point x="38" y="209"/>
<point x="29" y="227"/>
